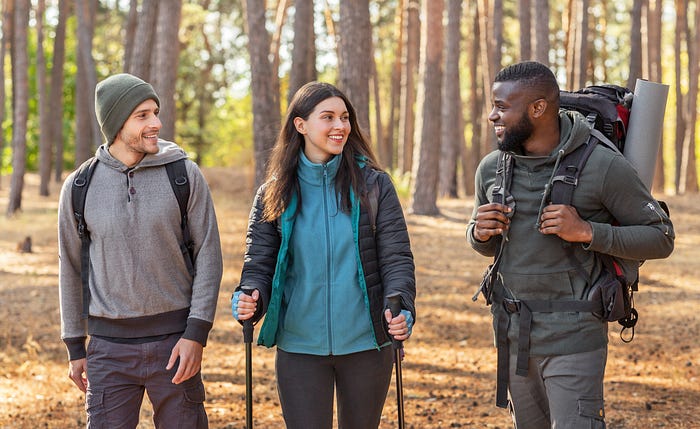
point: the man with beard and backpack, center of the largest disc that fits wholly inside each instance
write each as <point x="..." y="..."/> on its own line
<point x="138" y="273"/>
<point x="551" y="338"/>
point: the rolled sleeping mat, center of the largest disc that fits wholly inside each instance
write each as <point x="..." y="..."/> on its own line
<point x="645" y="127"/>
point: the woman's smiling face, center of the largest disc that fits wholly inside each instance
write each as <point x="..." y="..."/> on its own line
<point x="326" y="130"/>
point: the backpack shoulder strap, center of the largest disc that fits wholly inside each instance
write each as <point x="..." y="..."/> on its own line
<point x="373" y="199"/>
<point x="177" y="175"/>
<point x="79" y="188"/>
<point x="566" y="177"/>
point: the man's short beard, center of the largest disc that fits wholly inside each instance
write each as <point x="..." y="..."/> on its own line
<point x="515" y="136"/>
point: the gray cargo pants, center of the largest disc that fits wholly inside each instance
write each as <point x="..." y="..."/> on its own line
<point x="561" y="392"/>
<point x="118" y="374"/>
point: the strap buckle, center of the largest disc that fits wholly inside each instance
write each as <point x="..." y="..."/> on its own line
<point x="511" y="305"/>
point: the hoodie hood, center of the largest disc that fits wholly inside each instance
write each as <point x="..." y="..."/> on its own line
<point x="574" y="129"/>
<point x="167" y="153"/>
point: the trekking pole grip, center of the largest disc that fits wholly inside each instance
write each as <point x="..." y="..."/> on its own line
<point x="395" y="308"/>
<point x="248" y="324"/>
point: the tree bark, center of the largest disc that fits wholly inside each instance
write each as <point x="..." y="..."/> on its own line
<point x="303" y="68"/>
<point x="525" y="19"/>
<point x="44" y="122"/>
<point x="635" y="44"/>
<point x="409" y="67"/>
<point x="471" y="158"/>
<point x="130" y="36"/>
<point x="88" y="135"/>
<point x="452" y="138"/>
<point x="5" y="39"/>
<point x="265" y="87"/>
<point x="654" y="26"/>
<point x="56" y="93"/>
<point x="355" y="56"/>
<point x="681" y="34"/>
<point x="388" y="149"/>
<point x="142" y="49"/>
<point x="427" y="143"/>
<point x="688" y="175"/>
<point x="165" y="67"/>
<point x="20" y="103"/>
<point x="542" y="32"/>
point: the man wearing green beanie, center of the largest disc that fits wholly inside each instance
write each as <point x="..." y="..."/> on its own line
<point x="147" y="313"/>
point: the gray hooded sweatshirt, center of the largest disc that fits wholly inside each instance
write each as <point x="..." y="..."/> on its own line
<point x="139" y="284"/>
<point x="535" y="266"/>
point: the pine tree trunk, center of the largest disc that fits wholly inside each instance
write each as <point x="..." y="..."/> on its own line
<point x="20" y="101"/>
<point x="427" y="143"/>
<point x="355" y="56"/>
<point x="265" y="86"/>
<point x="56" y="94"/>
<point x="164" y="68"/>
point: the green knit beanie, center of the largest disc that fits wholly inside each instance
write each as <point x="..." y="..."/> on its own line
<point x="115" y="98"/>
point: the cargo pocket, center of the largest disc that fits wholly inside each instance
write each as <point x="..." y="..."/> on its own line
<point x="94" y="407"/>
<point x="193" y="414"/>
<point x="592" y="409"/>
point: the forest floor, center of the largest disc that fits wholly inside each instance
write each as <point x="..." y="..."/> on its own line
<point x="449" y="369"/>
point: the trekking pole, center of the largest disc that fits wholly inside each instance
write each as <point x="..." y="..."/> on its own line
<point x="395" y="308"/>
<point x="248" y="340"/>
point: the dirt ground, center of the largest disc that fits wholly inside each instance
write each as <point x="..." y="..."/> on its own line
<point x="449" y="370"/>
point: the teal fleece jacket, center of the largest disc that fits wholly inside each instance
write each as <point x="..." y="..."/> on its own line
<point x="139" y="284"/>
<point x="323" y="309"/>
<point x="536" y="266"/>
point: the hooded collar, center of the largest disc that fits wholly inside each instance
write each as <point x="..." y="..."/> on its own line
<point x="167" y="153"/>
<point x="313" y="173"/>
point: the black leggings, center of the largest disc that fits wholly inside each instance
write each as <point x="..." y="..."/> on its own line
<point x="305" y="386"/>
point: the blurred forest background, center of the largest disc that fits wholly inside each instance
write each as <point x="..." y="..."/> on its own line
<point x="418" y="73"/>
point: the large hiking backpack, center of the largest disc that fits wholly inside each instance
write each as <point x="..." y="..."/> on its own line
<point x="606" y="106"/>
<point x="177" y="175"/>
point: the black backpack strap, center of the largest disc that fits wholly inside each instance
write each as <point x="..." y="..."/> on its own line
<point x="373" y="199"/>
<point x="566" y="177"/>
<point x="81" y="180"/>
<point x="177" y="173"/>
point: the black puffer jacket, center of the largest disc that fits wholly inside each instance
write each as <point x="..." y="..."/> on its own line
<point x="387" y="260"/>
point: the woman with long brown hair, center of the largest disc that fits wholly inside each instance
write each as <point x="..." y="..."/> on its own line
<point x="327" y="243"/>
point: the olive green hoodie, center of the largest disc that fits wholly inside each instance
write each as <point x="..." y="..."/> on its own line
<point x="536" y="266"/>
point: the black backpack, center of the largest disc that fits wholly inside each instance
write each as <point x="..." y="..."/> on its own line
<point x="177" y="174"/>
<point x="606" y="106"/>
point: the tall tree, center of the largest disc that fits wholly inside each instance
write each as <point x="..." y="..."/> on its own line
<point x="87" y="131"/>
<point x="470" y="159"/>
<point x="490" y="62"/>
<point x="56" y="93"/>
<point x="44" y="122"/>
<point x="303" y="68"/>
<point x="681" y="35"/>
<point x="541" y="31"/>
<point x="525" y="19"/>
<point x="130" y="33"/>
<point x="688" y="175"/>
<point x="355" y="56"/>
<point x="386" y="151"/>
<point x="452" y="139"/>
<point x="409" y="69"/>
<point x="635" y="44"/>
<point x="7" y="18"/>
<point x="20" y="103"/>
<point x="654" y="26"/>
<point x="265" y="86"/>
<point x="164" y="67"/>
<point x="424" y="184"/>
<point x="144" y="39"/>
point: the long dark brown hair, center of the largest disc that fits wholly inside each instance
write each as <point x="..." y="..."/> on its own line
<point x="282" y="181"/>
